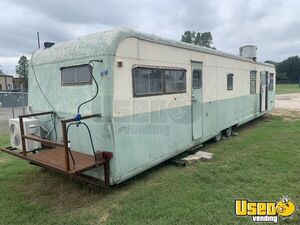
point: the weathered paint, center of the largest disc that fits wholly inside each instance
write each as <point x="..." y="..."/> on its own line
<point x="197" y="103"/>
<point x="141" y="132"/>
<point x="143" y="142"/>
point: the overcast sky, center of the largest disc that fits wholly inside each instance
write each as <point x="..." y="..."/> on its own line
<point x="272" y="25"/>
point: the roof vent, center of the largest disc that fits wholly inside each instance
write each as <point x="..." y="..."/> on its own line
<point x="48" y="44"/>
<point x="248" y="51"/>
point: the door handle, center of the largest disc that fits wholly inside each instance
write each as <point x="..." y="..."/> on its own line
<point x="194" y="98"/>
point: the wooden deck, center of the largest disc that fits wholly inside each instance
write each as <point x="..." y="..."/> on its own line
<point x="54" y="158"/>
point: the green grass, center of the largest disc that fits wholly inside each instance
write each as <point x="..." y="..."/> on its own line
<point x="261" y="163"/>
<point x="287" y="88"/>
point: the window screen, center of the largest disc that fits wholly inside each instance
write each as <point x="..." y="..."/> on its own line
<point x="271" y="83"/>
<point x="175" y="81"/>
<point x="230" y="81"/>
<point x="76" y="75"/>
<point x="197" y="79"/>
<point x="147" y="81"/>
<point x="156" y="81"/>
<point x="253" y="82"/>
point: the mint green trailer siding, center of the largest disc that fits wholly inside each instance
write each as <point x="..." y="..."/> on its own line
<point x="140" y="139"/>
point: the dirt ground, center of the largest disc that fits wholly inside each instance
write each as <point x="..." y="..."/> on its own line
<point x="288" y="102"/>
<point x="287" y="106"/>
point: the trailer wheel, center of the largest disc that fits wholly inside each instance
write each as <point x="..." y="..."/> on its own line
<point x="218" y="137"/>
<point x="228" y="132"/>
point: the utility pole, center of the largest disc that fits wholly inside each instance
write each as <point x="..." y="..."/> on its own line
<point x="38" y="39"/>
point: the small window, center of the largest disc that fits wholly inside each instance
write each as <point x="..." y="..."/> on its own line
<point x="175" y="81"/>
<point x="253" y="82"/>
<point x="76" y="75"/>
<point x="230" y="82"/>
<point x="271" y="83"/>
<point x="147" y="81"/>
<point x="263" y="78"/>
<point x="197" y="79"/>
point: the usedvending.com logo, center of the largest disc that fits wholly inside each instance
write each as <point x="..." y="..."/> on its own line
<point x="265" y="211"/>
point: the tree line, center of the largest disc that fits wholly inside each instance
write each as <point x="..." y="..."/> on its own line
<point x="287" y="71"/>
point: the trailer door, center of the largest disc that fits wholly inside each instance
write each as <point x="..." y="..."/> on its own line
<point x="197" y="99"/>
<point x="263" y="91"/>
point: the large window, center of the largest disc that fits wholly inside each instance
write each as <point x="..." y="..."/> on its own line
<point x="156" y="81"/>
<point x="271" y="83"/>
<point x="197" y="79"/>
<point x="253" y="82"/>
<point x="229" y="81"/>
<point x="174" y="81"/>
<point x="76" y="75"/>
<point x="147" y="81"/>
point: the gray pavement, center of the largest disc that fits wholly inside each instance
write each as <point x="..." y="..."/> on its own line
<point x="5" y="115"/>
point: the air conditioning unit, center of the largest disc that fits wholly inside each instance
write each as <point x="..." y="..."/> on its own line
<point x="31" y="127"/>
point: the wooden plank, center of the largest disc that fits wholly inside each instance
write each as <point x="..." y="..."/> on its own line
<point x="36" y="114"/>
<point x="53" y="159"/>
<point x="56" y="158"/>
<point x="199" y="155"/>
<point x="43" y="141"/>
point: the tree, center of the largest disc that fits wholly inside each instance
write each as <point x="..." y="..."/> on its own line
<point x="188" y="37"/>
<point x="203" y="39"/>
<point x="22" y="71"/>
<point x="1" y="71"/>
<point x="290" y="69"/>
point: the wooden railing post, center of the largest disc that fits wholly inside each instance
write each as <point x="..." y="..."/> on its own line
<point x="22" y="134"/>
<point x="65" y="143"/>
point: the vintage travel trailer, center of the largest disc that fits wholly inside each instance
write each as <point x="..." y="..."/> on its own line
<point x="113" y="104"/>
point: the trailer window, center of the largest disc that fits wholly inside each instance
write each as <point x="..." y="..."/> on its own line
<point x="147" y="81"/>
<point x="230" y="82"/>
<point x="197" y="79"/>
<point x="76" y="75"/>
<point x="253" y="82"/>
<point x="175" y="81"/>
<point x="271" y="83"/>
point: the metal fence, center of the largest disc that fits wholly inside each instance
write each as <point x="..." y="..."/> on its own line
<point x="12" y="104"/>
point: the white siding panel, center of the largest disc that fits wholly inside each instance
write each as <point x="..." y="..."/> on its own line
<point x="133" y="51"/>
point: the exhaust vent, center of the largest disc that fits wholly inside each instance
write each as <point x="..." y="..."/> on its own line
<point x="48" y="44"/>
<point x="248" y="51"/>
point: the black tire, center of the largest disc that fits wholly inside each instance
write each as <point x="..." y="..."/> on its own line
<point x="227" y="132"/>
<point x="218" y="137"/>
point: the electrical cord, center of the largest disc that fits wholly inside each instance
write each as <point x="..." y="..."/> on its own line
<point x="39" y="86"/>
<point x="90" y="136"/>
<point x="34" y="74"/>
<point x="97" y="88"/>
<point x="69" y="149"/>
<point x="78" y="116"/>
<point x="54" y="128"/>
